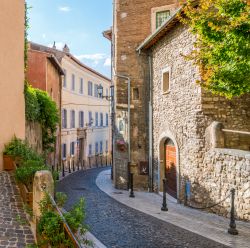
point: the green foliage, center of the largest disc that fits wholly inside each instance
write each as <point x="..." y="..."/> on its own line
<point x="61" y="198"/>
<point x="20" y="149"/>
<point x="50" y="227"/>
<point x="48" y="118"/>
<point x="32" y="108"/>
<point x="26" y="27"/>
<point x="25" y="173"/>
<point x="222" y="47"/>
<point x="76" y="216"/>
<point x="41" y="108"/>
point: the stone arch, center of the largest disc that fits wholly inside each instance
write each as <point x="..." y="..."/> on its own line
<point x="164" y="137"/>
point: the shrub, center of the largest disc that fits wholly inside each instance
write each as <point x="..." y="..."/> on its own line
<point x="25" y="173"/>
<point x="20" y="149"/>
<point x="61" y="198"/>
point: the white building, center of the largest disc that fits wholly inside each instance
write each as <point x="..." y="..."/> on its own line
<point x="86" y="122"/>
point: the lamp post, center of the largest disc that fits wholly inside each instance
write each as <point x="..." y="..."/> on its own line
<point x="111" y="99"/>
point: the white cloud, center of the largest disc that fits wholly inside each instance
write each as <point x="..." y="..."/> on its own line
<point x="65" y="8"/>
<point x="107" y="62"/>
<point x="95" y="58"/>
<point x="59" y="45"/>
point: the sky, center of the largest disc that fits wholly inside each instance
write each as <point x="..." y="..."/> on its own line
<point x="78" y="23"/>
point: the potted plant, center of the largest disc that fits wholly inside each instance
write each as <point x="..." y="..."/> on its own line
<point x="121" y="145"/>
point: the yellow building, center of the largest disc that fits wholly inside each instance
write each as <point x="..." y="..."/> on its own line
<point x="12" y="106"/>
<point x="86" y="122"/>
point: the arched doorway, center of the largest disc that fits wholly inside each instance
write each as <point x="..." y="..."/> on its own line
<point x="170" y="167"/>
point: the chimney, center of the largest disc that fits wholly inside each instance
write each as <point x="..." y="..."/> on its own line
<point x="66" y="49"/>
<point x="54" y="45"/>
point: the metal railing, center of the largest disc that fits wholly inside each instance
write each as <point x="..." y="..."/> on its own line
<point x="235" y="131"/>
<point x="76" y="243"/>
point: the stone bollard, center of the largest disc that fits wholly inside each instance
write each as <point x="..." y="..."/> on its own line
<point x="164" y="199"/>
<point x="43" y="182"/>
<point x="217" y="138"/>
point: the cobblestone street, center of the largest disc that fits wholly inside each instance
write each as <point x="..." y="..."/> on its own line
<point x="14" y="230"/>
<point x="117" y="225"/>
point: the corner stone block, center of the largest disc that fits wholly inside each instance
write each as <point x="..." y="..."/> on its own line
<point x="43" y="182"/>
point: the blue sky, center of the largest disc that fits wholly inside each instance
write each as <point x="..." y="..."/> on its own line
<point x="79" y="23"/>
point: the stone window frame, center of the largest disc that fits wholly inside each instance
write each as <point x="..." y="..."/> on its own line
<point x="170" y="7"/>
<point x="164" y="70"/>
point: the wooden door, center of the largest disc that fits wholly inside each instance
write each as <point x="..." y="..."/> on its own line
<point x="170" y="168"/>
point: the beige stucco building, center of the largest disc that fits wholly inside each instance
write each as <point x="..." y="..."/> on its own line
<point x="86" y="125"/>
<point x="12" y="72"/>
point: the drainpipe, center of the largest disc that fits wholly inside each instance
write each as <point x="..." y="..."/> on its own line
<point x="129" y="145"/>
<point x="150" y="108"/>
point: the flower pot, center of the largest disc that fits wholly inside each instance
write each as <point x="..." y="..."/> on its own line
<point x="8" y="162"/>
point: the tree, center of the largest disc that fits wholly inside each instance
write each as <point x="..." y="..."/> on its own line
<point x="222" y="47"/>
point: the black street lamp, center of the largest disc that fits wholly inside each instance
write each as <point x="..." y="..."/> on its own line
<point x="111" y="99"/>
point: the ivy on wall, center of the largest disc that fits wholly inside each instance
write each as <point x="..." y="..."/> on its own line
<point x="39" y="107"/>
<point x="222" y="47"/>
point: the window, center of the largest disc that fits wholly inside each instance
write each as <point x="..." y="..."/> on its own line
<point x="101" y="119"/>
<point x="72" y="148"/>
<point x="64" y="151"/>
<point x="107" y="119"/>
<point x="72" y="122"/>
<point x="107" y="146"/>
<point x="65" y="79"/>
<point x="90" y="88"/>
<point x="90" y="119"/>
<point x="81" y="86"/>
<point x="96" y="147"/>
<point x="161" y="17"/>
<point x="64" y="118"/>
<point x="101" y="149"/>
<point x="95" y="90"/>
<point x="90" y="149"/>
<point x="165" y="80"/>
<point x="81" y="119"/>
<point x="136" y="95"/>
<point x="73" y="82"/>
<point x="96" y="119"/>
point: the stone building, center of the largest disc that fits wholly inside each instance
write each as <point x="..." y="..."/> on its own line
<point x="134" y="20"/>
<point x="44" y="72"/>
<point x="12" y="107"/>
<point x="200" y="141"/>
<point x="86" y="125"/>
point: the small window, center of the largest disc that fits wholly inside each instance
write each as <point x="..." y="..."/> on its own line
<point x="65" y="79"/>
<point x="101" y="119"/>
<point x="73" y="82"/>
<point x="101" y="147"/>
<point x="90" y="149"/>
<point x="161" y="17"/>
<point x="165" y="81"/>
<point x="96" y="119"/>
<point x="72" y="148"/>
<point x="81" y="86"/>
<point x="72" y="123"/>
<point x="90" y="119"/>
<point x="96" y="147"/>
<point x="96" y="90"/>
<point x="81" y="119"/>
<point x="107" y="119"/>
<point x="136" y="94"/>
<point x="90" y="88"/>
<point x="64" y="118"/>
<point x="64" y="151"/>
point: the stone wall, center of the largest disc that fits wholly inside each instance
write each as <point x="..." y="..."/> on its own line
<point x="184" y="115"/>
<point x="132" y="24"/>
<point x="224" y="169"/>
<point x="33" y="134"/>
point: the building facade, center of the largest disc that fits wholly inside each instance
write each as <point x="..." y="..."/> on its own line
<point x="12" y="107"/>
<point x="85" y="115"/>
<point x="133" y="22"/>
<point x="45" y="72"/>
<point x="86" y="123"/>
<point x="201" y="142"/>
